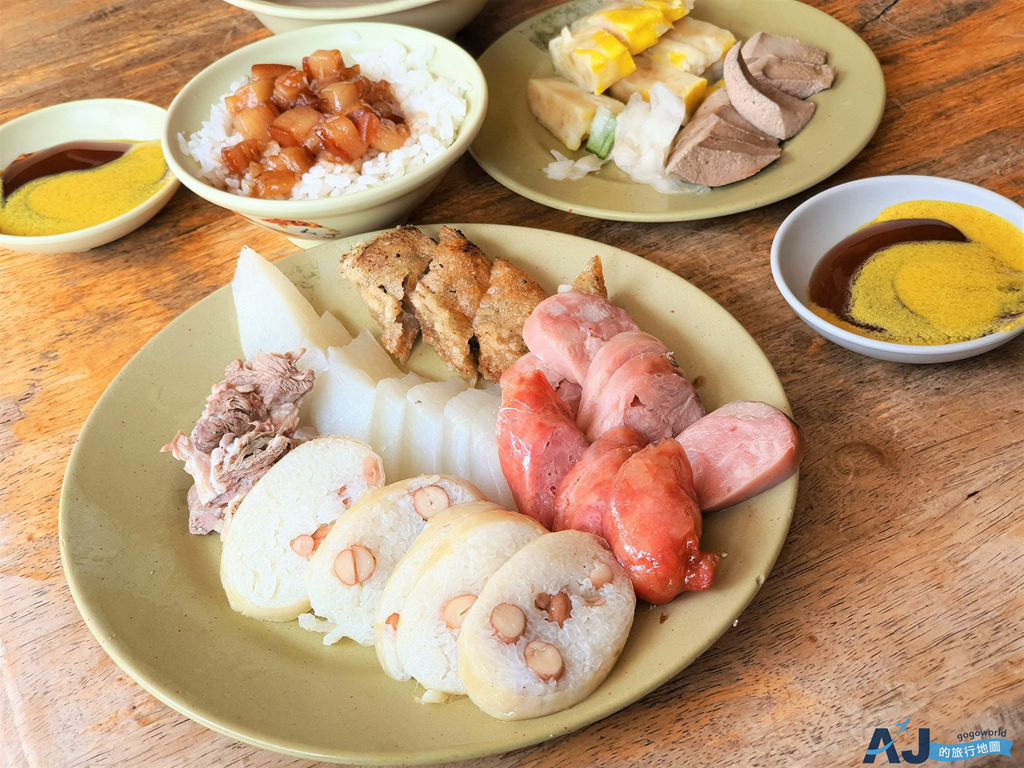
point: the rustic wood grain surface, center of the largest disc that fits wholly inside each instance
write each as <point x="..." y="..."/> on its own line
<point x="900" y="590"/>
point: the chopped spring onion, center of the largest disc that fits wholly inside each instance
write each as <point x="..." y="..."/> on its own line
<point x="602" y="133"/>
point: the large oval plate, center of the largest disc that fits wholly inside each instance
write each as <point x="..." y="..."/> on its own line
<point x="150" y="592"/>
<point x="515" y="149"/>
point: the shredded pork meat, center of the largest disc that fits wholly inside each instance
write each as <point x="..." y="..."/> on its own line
<point x="251" y="420"/>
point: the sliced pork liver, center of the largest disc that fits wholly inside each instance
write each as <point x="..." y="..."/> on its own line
<point x="797" y="78"/>
<point x="766" y="44"/>
<point x="714" y="152"/>
<point x="770" y="110"/>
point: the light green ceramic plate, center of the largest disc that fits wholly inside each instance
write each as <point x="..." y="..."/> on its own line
<point x="514" y="148"/>
<point x="150" y="593"/>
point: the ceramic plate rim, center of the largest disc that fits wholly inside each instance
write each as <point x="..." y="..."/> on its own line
<point x="751" y="195"/>
<point x="932" y="187"/>
<point x="221" y="70"/>
<point x="355" y="10"/>
<point x="74" y="513"/>
<point x="97" y="233"/>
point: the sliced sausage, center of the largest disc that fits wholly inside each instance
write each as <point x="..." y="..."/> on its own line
<point x="569" y="392"/>
<point x="609" y="358"/>
<point x="739" y="450"/>
<point x="585" y="492"/>
<point x="566" y="330"/>
<point x="647" y="392"/>
<point x="538" y="442"/>
<point x="653" y="524"/>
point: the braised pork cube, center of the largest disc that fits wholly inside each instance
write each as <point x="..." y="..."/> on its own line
<point x="336" y="97"/>
<point x="274" y="185"/>
<point x="383" y="134"/>
<point x="249" y="95"/>
<point x="341" y="138"/>
<point x="254" y="122"/>
<point x="327" y="66"/>
<point x="291" y="89"/>
<point x="294" y="126"/>
<point x="365" y="120"/>
<point x="390" y="136"/>
<point x="296" y="159"/>
<point x="381" y="96"/>
<point x="269" y="71"/>
<point x="237" y="158"/>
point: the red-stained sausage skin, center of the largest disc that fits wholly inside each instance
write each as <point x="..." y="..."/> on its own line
<point x="538" y="442"/>
<point x="582" y="500"/>
<point x="653" y="524"/>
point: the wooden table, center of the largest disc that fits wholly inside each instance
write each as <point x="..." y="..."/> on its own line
<point x="899" y="590"/>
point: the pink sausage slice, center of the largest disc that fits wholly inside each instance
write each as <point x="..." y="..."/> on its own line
<point x="538" y="442"/>
<point x="647" y="392"/>
<point x="739" y="450"/>
<point x="609" y="358"/>
<point x="653" y="524"/>
<point x="586" y="491"/>
<point x="566" y="330"/>
<point x="568" y="392"/>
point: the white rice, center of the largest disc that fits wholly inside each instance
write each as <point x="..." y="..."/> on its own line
<point x="434" y="108"/>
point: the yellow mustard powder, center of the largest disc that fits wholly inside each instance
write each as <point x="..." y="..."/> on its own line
<point x="66" y="202"/>
<point x="942" y="292"/>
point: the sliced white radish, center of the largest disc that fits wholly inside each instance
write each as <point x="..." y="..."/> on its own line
<point x="424" y="424"/>
<point x="274" y="316"/>
<point x="366" y="354"/>
<point x="387" y="424"/>
<point x="342" y="400"/>
<point x="460" y="430"/>
<point x="486" y="467"/>
<point x="334" y="329"/>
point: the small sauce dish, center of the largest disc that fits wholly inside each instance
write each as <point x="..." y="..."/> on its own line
<point x="101" y="120"/>
<point x="822" y="221"/>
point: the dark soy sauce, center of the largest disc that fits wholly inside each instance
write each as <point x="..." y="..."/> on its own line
<point x="832" y="277"/>
<point x="71" y="156"/>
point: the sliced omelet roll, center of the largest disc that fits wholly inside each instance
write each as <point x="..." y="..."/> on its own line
<point x="593" y="58"/>
<point x="637" y="26"/>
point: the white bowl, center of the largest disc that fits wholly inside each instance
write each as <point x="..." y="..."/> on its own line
<point x="445" y="17"/>
<point x="307" y="222"/>
<point x="828" y="217"/>
<point x="87" y="120"/>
